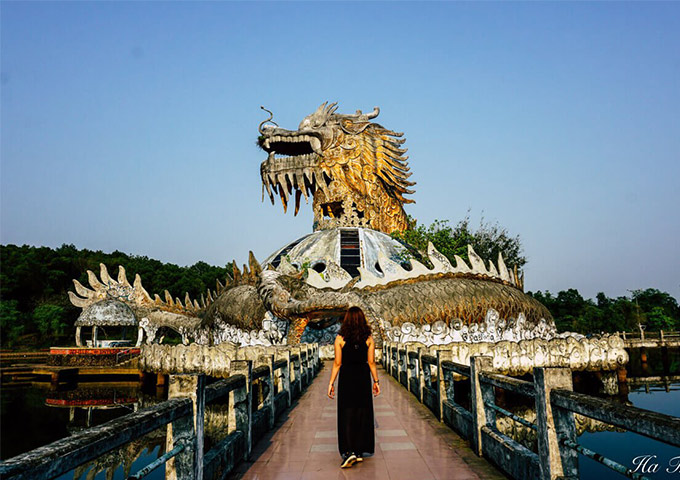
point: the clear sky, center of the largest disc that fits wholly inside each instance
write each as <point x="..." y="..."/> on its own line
<point x="132" y="125"/>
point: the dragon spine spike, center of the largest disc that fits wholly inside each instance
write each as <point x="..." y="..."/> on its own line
<point x="104" y="274"/>
<point x="196" y="305"/>
<point x="515" y="274"/>
<point x="157" y="300"/>
<point x="461" y="266"/>
<point x="391" y="270"/>
<point x="139" y="288"/>
<point x="521" y="281"/>
<point x="367" y="279"/>
<point x="187" y="300"/>
<point x="286" y="268"/>
<point x="202" y="300"/>
<point x="440" y="262"/>
<point x="255" y="267"/>
<point x="492" y="270"/>
<point x="315" y="279"/>
<point x="237" y="273"/>
<point x="210" y="297"/>
<point x="418" y="269"/>
<point x="219" y="287"/>
<point x="122" y="278"/>
<point x="178" y="302"/>
<point x="77" y="301"/>
<point x="82" y="291"/>
<point x="94" y="282"/>
<point x="476" y="261"/>
<point x="168" y="298"/>
<point x="502" y="269"/>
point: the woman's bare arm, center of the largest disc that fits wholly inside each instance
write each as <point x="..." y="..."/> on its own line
<point x="371" y="365"/>
<point x="337" y="363"/>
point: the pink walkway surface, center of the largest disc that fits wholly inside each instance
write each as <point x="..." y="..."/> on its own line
<point x="410" y="442"/>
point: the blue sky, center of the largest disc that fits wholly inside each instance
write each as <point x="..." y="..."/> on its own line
<point x="132" y="125"/>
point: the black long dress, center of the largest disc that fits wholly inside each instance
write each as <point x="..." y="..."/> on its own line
<point x="355" y="401"/>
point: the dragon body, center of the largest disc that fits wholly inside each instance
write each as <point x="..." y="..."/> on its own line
<point x="356" y="172"/>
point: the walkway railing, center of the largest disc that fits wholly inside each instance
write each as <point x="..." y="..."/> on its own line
<point x="258" y="391"/>
<point x="644" y="339"/>
<point x="431" y="379"/>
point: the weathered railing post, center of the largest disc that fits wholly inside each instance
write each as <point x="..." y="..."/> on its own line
<point x="409" y="369"/>
<point x="401" y="365"/>
<point x="480" y="393"/>
<point x="269" y="400"/>
<point x="241" y="406"/>
<point x="554" y="424"/>
<point x="421" y="374"/>
<point x="442" y="391"/>
<point x="298" y="370"/>
<point x="288" y="380"/>
<point x="188" y="464"/>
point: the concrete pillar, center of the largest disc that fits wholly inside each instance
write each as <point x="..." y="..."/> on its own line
<point x="269" y="400"/>
<point x="287" y="380"/>
<point x="94" y="335"/>
<point x="79" y="340"/>
<point x="241" y="404"/>
<point x="401" y="364"/>
<point x="188" y="464"/>
<point x="140" y="337"/>
<point x="409" y="369"/>
<point x="481" y="415"/>
<point x="553" y="424"/>
<point x="442" y="355"/>
<point x="421" y="374"/>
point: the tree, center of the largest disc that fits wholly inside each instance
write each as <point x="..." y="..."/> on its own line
<point x="11" y="326"/>
<point x="658" y="320"/>
<point x="50" y="320"/>
<point x="488" y="240"/>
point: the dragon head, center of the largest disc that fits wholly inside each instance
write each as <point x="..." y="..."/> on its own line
<point x="354" y="169"/>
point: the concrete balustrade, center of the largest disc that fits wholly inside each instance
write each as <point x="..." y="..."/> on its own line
<point x="430" y="375"/>
<point x="259" y="384"/>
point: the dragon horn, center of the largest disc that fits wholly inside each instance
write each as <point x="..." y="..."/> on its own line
<point x="374" y="113"/>
<point x="269" y="120"/>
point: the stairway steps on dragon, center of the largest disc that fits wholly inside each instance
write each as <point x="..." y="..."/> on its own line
<point x="350" y="252"/>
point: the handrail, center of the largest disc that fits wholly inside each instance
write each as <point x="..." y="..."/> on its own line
<point x="456" y="367"/>
<point x="555" y="402"/>
<point x="505" y="382"/>
<point x="190" y="397"/>
<point x="657" y="426"/>
<point x="65" y="454"/>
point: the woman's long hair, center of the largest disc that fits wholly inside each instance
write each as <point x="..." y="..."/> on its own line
<point x="354" y="327"/>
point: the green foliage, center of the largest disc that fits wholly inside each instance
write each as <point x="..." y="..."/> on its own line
<point x="34" y="282"/>
<point x="487" y="240"/>
<point x="50" y="320"/>
<point x="658" y="310"/>
<point x="11" y="326"/>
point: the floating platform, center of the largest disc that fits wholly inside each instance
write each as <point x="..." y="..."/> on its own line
<point x="91" y="356"/>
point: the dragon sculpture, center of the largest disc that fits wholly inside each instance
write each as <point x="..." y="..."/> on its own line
<point x="356" y="172"/>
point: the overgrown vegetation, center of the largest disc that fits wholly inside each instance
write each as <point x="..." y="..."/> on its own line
<point x="487" y="240"/>
<point x="34" y="307"/>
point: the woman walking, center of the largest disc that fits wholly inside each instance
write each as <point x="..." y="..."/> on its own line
<point x="355" y="362"/>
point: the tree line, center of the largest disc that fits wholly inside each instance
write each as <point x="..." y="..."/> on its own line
<point x="35" y="310"/>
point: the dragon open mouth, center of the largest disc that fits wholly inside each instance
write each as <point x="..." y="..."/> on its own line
<point x="291" y="166"/>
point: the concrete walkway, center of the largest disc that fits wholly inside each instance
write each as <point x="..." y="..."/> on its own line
<point x="410" y="443"/>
